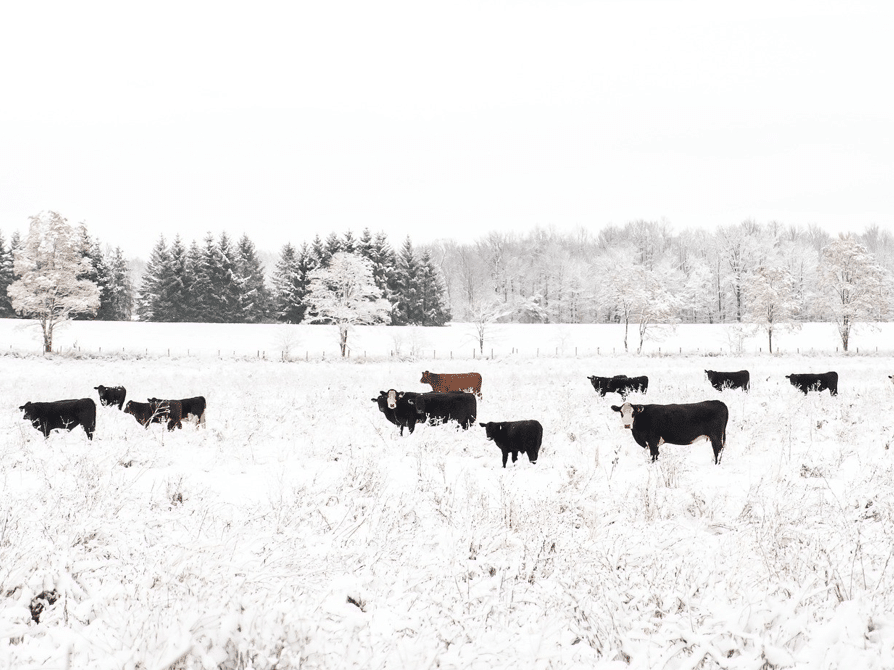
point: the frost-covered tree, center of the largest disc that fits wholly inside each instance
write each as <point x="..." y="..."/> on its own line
<point x="172" y="304"/>
<point x="345" y="294"/>
<point x="199" y="291"/>
<point x="221" y="264"/>
<point x="855" y="288"/>
<point x="47" y="267"/>
<point x="770" y="291"/>
<point x="484" y="315"/>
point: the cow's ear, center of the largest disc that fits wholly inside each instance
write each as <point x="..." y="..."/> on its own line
<point x="616" y="408"/>
<point x="483" y="425"/>
<point x="22" y="408"/>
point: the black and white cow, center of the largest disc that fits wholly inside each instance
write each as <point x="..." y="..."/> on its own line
<point x="815" y="382"/>
<point x="396" y="407"/>
<point x="442" y="407"/>
<point x="47" y="416"/>
<point x="111" y="395"/>
<point x="189" y="407"/>
<point x="653" y="425"/>
<point x="620" y="384"/>
<point x="729" y="380"/>
<point x="516" y="436"/>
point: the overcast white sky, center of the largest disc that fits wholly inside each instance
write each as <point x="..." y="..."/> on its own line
<point x="447" y="119"/>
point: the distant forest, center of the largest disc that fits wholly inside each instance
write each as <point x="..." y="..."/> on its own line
<point x="744" y="273"/>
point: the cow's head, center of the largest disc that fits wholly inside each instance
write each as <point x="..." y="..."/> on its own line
<point x="628" y="412"/>
<point x="489" y="429"/>
<point x="392" y="396"/>
<point x="418" y="402"/>
<point x="129" y="408"/>
<point x="426" y="378"/>
<point x="26" y="408"/>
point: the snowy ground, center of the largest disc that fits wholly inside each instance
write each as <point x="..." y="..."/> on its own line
<point x="299" y="528"/>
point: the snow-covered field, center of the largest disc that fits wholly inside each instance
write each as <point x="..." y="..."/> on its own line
<point x="300" y="530"/>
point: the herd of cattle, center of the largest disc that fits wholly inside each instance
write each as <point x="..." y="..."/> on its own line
<point x="454" y="397"/>
<point x="69" y="414"/>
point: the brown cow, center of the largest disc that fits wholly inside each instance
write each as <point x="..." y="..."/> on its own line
<point x="463" y="381"/>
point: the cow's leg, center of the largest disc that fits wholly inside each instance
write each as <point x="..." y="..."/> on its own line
<point x="653" y="448"/>
<point x="717" y="445"/>
<point x="505" y="456"/>
<point x="514" y="456"/>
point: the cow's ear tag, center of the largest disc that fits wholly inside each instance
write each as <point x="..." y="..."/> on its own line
<point x="638" y="408"/>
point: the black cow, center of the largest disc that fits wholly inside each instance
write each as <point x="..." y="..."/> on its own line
<point x="111" y="395"/>
<point x="442" y="407"/>
<point x="47" y="416"/>
<point x="729" y="380"/>
<point x="156" y="412"/>
<point x="396" y="407"/>
<point x="653" y="425"/>
<point x="817" y="382"/>
<point x="516" y="436"/>
<point x="190" y="407"/>
<point x="620" y="384"/>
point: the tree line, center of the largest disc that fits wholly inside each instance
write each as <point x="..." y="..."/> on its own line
<point x="764" y="276"/>
<point x="767" y="276"/>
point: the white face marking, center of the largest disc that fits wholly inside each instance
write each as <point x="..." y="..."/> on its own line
<point x="392" y="399"/>
<point x="627" y="415"/>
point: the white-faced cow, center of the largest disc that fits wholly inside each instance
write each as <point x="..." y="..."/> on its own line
<point x="444" y="383"/>
<point x="815" y="382"/>
<point x="619" y="384"/>
<point x="111" y="395"/>
<point x="729" y="380"/>
<point x="516" y="436"/>
<point x="653" y="425"/>
<point x="396" y="407"/>
<point x="47" y="416"/>
<point x="442" y="407"/>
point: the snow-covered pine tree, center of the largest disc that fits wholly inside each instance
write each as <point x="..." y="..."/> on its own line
<point x="344" y="294"/>
<point x="6" y="278"/>
<point x="254" y="297"/>
<point x="318" y="252"/>
<point x="349" y="243"/>
<point x="407" y="275"/>
<point x="171" y="286"/>
<point x="200" y="300"/>
<point x="47" y="267"/>
<point x="121" y="287"/>
<point x="331" y="247"/>
<point x="434" y="308"/>
<point x="98" y="273"/>
<point x="148" y="297"/>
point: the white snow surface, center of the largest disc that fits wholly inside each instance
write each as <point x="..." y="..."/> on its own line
<point x="299" y="529"/>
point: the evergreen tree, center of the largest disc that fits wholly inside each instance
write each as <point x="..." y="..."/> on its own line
<point x="120" y="286"/>
<point x="223" y="281"/>
<point x="318" y="252"/>
<point x="254" y="297"/>
<point x="97" y="272"/>
<point x="6" y="278"/>
<point x="407" y="309"/>
<point x="171" y="286"/>
<point x="349" y="243"/>
<point x="200" y="302"/>
<point x="148" y="300"/>
<point x="433" y="307"/>
<point x="332" y="247"/>
<point x="291" y="281"/>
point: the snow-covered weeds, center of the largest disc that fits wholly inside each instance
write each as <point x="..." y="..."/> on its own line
<point x="300" y="530"/>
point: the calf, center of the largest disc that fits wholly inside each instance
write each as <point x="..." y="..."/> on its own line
<point x="396" y="407"/>
<point x="442" y="407"/>
<point x="729" y="380"/>
<point x="653" y="425"/>
<point x="156" y="412"/>
<point x="444" y="383"/>
<point x="620" y="384"/>
<point x="47" y="416"/>
<point x="516" y="436"/>
<point x="815" y="382"/>
<point x="111" y="395"/>
<point x="190" y="407"/>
